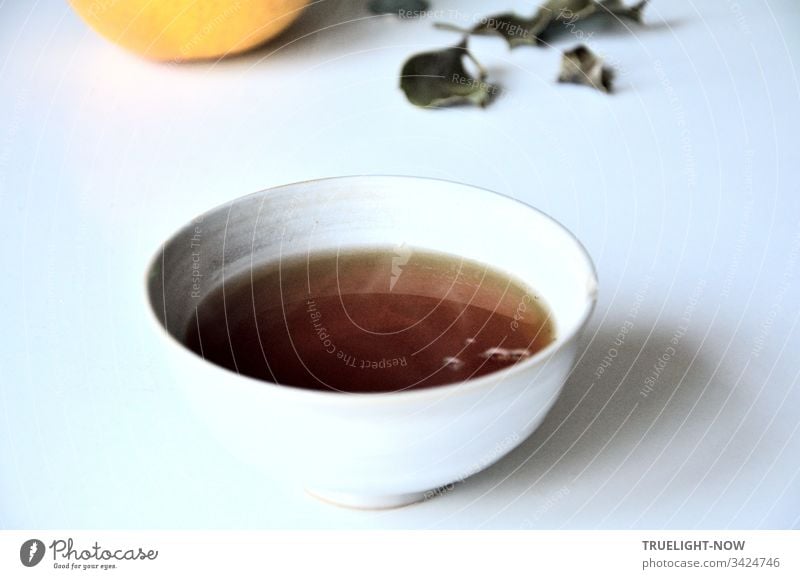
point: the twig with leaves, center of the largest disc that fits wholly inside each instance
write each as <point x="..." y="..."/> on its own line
<point x="438" y="78"/>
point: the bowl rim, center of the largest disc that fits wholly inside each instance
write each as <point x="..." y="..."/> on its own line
<point x="421" y="394"/>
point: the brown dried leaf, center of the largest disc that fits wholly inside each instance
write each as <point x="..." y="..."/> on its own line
<point x="439" y="78"/>
<point x="582" y="66"/>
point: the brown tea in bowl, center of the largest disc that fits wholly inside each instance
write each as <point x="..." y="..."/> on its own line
<point x="370" y="320"/>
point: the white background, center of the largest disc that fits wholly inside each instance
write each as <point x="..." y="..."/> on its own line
<point x="683" y="186"/>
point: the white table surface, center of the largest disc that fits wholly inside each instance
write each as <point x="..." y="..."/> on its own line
<point x="683" y="186"/>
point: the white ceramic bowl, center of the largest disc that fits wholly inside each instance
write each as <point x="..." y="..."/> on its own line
<point x="374" y="450"/>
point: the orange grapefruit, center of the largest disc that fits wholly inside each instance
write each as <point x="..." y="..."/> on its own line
<point x="188" y="29"/>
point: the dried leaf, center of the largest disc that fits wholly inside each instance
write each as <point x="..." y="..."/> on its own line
<point x="619" y="9"/>
<point x="551" y="15"/>
<point x="439" y="78"/>
<point x="581" y="66"/>
<point x="404" y="8"/>
<point x="515" y="30"/>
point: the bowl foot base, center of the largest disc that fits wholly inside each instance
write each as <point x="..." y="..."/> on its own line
<point x="357" y="501"/>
